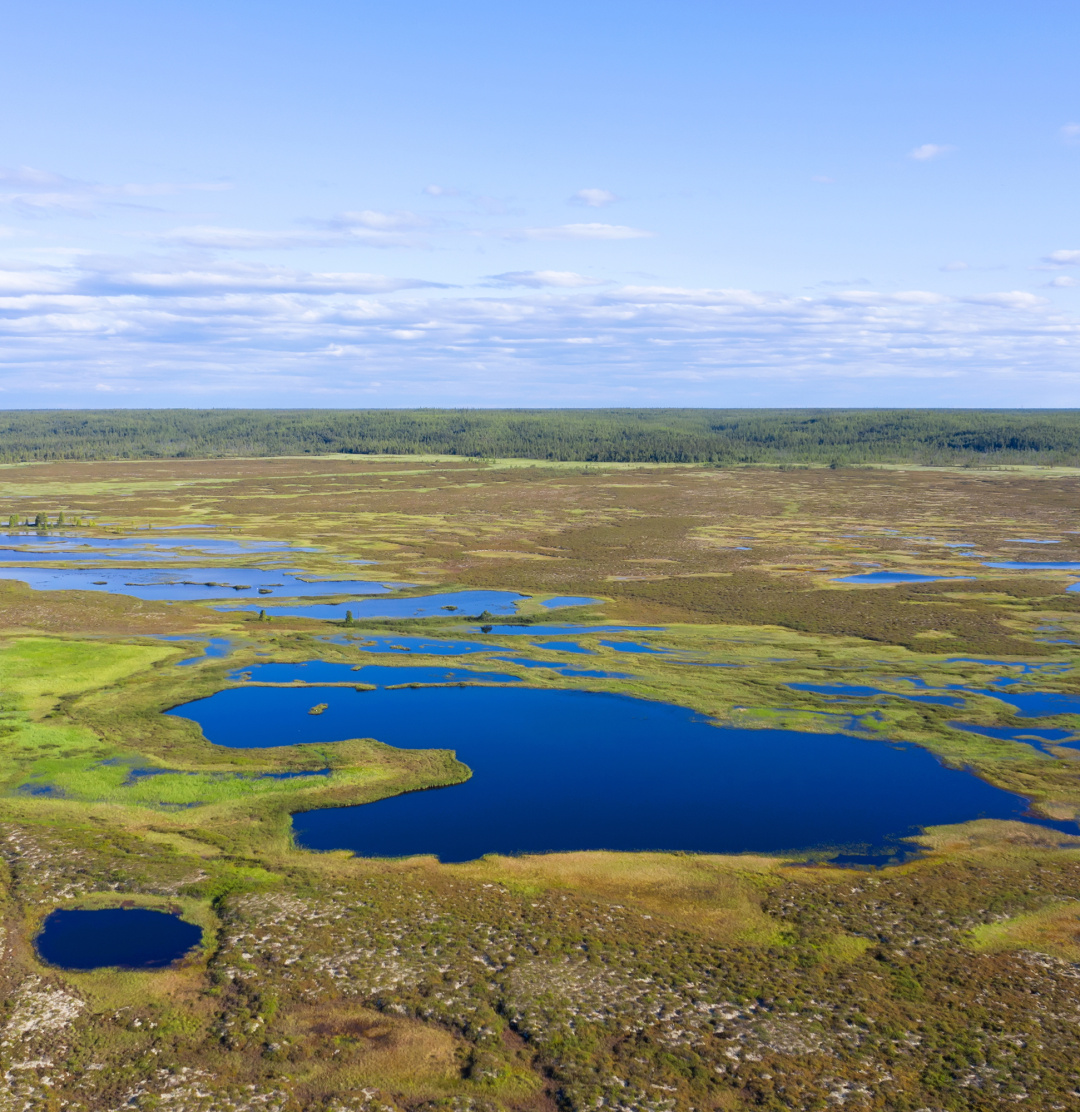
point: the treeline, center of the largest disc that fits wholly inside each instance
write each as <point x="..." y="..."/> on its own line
<point x="722" y="436"/>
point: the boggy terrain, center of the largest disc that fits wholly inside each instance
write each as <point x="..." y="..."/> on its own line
<point x="579" y="980"/>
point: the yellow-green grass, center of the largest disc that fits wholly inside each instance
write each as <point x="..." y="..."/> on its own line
<point x="48" y="667"/>
<point x="1051" y="930"/>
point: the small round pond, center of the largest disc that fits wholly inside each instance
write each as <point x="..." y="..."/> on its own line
<point x="120" y="937"/>
<point x="557" y="770"/>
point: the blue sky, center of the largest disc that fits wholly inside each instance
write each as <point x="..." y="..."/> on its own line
<point x="479" y="203"/>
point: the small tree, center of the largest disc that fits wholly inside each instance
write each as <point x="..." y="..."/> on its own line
<point x="41" y="521"/>
<point x="348" y="618"/>
<point x="60" y="520"/>
<point x="262" y="616"/>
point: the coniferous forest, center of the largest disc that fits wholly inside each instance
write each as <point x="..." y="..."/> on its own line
<point x="722" y="436"/>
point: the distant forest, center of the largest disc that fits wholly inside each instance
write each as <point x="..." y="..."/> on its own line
<point x="721" y="436"/>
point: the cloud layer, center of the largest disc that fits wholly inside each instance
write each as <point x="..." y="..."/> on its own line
<point x="155" y="331"/>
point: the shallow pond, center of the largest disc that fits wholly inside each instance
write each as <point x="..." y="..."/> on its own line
<point x="567" y="770"/>
<point x="569" y="600"/>
<point x="872" y="577"/>
<point x="66" y="545"/>
<point x="127" y="938"/>
<point x="635" y="647"/>
<point x="564" y="669"/>
<point x="173" y="584"/>
<point x="469" y="603"/>
<point x="1037" y="565"/>
<point x="860" y="692"/>
<point x="1039" y="739"/>
<point x="564" y="647"/>
<point x="213" y="647"/>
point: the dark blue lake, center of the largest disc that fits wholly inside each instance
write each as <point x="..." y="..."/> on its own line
<point x="566" y="770"/>
<point x="187" y="583"/>
<point x="128" y="938"/>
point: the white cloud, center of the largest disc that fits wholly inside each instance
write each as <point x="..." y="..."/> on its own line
<point x="929" y="151"/>
<point x="584" y="231"/>
<point x="1063" y="258"/>
<point x="540" y="279"/>
<point x="593" y="198"/>
<point x="955" y="266"/>
<point x="1063" y="281"/>
<point x="1070" y="133"/>
<point x="369" y="229"/>
<point x="170" y="331"/>
<point x="377" y="221"/>
<point x="441" y="191"/>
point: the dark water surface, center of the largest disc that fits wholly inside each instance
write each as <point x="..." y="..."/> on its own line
<point x="129" y="938"/>
<point x="565" y="770"/>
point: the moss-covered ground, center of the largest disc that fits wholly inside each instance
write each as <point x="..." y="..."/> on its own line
<point x="572" y="981"/>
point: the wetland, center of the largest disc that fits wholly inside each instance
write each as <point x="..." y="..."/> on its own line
<point x="605" y="784"/>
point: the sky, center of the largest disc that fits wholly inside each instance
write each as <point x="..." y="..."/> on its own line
<point x="598" y="203"/>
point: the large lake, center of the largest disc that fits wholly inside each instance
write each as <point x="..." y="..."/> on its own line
<point x="568" y="770"/>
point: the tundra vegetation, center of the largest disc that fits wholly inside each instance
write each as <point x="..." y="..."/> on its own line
<point x="575" y="981"/>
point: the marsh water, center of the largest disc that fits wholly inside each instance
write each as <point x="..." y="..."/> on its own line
<point x="569" y="770"/>
<point x="173" y="584"/>
<point x="128" y="938"/>
<point x="444" y="605"/>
